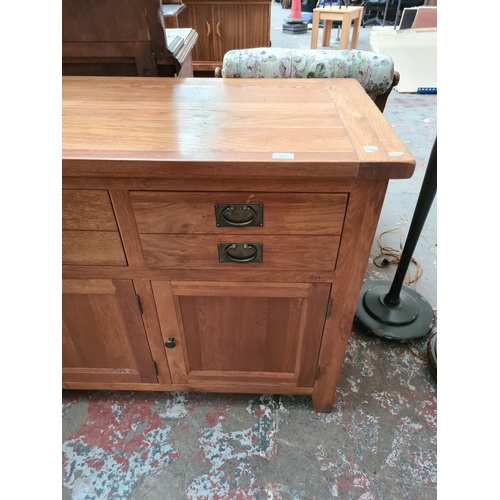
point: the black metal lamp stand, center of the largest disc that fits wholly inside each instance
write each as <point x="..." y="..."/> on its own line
<point x="395" y="311"/>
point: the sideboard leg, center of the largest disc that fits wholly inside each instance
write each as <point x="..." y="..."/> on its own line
<point x="320" y="403"/>
<point x="363" y="211"/>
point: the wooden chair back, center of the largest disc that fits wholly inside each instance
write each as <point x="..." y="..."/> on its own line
<point x="114" y="38"/>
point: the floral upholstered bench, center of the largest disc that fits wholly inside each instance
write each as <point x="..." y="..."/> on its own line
<point x="373" y="70"/>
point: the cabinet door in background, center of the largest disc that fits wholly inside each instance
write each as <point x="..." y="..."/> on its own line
<point x="241" y="26"/>
<point x="199" y="17"/>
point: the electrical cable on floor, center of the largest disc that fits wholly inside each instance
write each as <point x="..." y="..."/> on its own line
<point x="415" y="353"/>
<point x="396" y="256"/>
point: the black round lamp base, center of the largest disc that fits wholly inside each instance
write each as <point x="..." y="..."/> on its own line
<point x="411" y="319"/>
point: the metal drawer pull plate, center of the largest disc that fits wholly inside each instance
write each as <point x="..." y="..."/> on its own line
<point x="233" y="215"/>
<point x="241" y="253"/>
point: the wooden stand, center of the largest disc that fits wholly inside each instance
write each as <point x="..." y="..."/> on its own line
<point x="329" y="14"/>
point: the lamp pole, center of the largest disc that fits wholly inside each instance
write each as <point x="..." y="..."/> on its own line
<point x="393" y="310"/>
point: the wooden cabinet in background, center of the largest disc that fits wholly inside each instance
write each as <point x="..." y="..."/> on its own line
<point x="124" y="38"/>
<point x="223" y="25"/>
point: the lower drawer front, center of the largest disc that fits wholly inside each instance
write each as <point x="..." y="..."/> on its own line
<point x="202" y="251"/>
<point x="92" y="248"/>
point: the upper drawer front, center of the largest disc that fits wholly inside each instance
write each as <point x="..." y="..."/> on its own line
<point x="194" y="213"/>
<point x="87" y="210"/>
<point x="90" y="234"/>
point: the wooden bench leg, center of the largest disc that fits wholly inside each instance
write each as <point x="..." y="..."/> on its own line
<point x="355" y="31"/>
<point x="315" y="29"/>
<point x="344" y="36"/>
<point x="327" y="33"/>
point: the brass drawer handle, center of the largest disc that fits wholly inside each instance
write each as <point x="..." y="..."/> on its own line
<point x="233" y="215"/>
<point x="217" y="29"/>
<point x="233" y="208"/>
<point x="209" y="29"/>
<point x="241" y="253"/>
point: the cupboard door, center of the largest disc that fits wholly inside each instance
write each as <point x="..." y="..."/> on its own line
<point x="248" y="333"/>
<point x="199" y="17"/>
<point x="241" y="26"/>
<point x="258" y="19"/>
<point x="230" y="28"/>
<point x="103" y="336"/>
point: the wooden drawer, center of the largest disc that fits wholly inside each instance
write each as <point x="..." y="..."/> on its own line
<point x="194" y="213"/>
<point x="92" y="248"/>
<point x="278" y="252"/>
<point x="90" y="234"/>
<point x="87" y="210"/>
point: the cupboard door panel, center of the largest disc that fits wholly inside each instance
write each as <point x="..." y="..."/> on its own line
<point x="230" y="28"/>
<point x="242" y="332"/>
<point x="236" y="333"/>
<point x="103" y="335"/>
<point x="240" y="26"/>
<point x="259" y="18"/>
<point x="199" y="17"/>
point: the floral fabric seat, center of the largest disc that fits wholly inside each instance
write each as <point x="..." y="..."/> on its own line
<point x="373" y="70"/>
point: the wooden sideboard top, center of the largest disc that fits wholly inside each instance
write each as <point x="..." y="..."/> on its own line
<point x="152" y="126"/>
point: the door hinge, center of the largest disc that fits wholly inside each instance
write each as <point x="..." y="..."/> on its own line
<point x="316" y="372"/>
<point x="139" y="305"/>
<point x="155" y="368"/>
<point x="328" y="308"/>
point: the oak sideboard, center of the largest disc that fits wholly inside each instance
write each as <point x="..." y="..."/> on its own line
<point x="215" y="233"/>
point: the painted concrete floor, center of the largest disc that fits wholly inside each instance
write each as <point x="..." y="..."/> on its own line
<point x="378" y="443"/>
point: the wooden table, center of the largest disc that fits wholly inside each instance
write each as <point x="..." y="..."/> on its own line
<point x="329" y="14"/>
<point x="216" y="232"/>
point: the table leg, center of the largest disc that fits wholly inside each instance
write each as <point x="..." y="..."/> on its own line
<point x="327" y="32"/>
<point x="355" y="31"/>
<point x="314" y="33"/>
<point x="344" y="36"/>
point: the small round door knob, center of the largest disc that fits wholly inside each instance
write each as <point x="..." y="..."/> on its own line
<point x="170" y="343"/>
